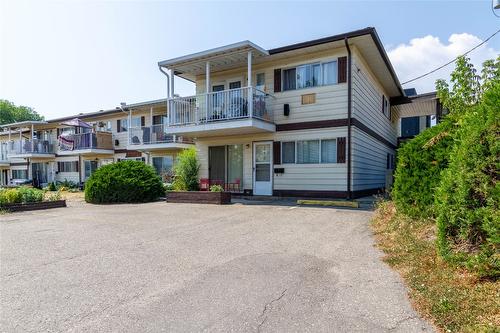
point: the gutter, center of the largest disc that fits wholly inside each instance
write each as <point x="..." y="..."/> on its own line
<point x="349" y="117"/>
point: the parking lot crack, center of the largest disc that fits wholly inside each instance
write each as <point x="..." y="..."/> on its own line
<point x="266" y="308"/>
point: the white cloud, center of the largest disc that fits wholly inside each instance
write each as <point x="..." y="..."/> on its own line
<point x="427" y="53"/>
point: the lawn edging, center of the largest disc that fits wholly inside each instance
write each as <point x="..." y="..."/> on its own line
<point x="204" y="197"/>
<point x="21" y="207"/>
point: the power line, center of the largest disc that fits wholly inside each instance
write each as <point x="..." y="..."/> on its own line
<point x="452" y="61"/>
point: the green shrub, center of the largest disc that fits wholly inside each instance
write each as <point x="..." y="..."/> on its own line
<point x="418" y="171"/>
<point x="52" y="187"/>
<point x="125" y="181"/>
<point x="10" y="196"/>
<point x="65" y="185"/>
<point x="52" y="196"/>
<point x="29" y="194"/>
<point x="186" y="171"/>
<point x="216" y="188"/>
<point x="469" y="193"/>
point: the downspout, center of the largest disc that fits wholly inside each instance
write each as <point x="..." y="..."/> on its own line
<point x="349" y="116"/>
<point x="168" y="80"/>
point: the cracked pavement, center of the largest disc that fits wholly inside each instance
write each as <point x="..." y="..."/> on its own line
<point x="162" y="267"/>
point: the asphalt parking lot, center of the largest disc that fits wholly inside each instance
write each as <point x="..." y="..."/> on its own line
<point x="189" y="268"/>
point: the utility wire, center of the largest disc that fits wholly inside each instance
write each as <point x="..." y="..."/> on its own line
<point x="452" y="61"/>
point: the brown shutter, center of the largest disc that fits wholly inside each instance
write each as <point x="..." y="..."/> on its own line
<point x="58" y="132"/>
<point x="119" y="125"/>
<point x="277" y="152"/>
<point x="277" y="80"/>
<point x="341" y="150"/>
<point x="383" y="103"/>
<point x="143" y="121"/>
<point x="342" y="70"/>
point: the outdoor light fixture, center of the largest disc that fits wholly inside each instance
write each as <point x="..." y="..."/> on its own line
<point x="496" y="4"/>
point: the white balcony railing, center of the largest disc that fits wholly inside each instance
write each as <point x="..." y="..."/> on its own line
<point x="83" y="141"/>
<point x="3" y="152"/>
<point x="223" y="105"/>
<point x="154" y="135"/>
<point x="26" y="146"/>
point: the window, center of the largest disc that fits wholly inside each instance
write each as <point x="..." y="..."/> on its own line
<point x="163" y="164"/>
<point x="234" y="163"/>
<point x="122" y="125"/>
<point x="391" y="161"/>
<point x="66" y="131"/>
<point x="67" y="166"/>
<point x="329" y="72"/>
<point x="260" y="81"/>
<point x="329" y="151"/>
<point x="19" y="174"/>
<point x="288" y="152"/>
<point x="90" y="167"/>
<point x="136" y="122"/>
<point x="385" y="107"/>
<point x="289" y="79"/>
<point x="308" y="152"/>
<point x="104" y="126"/>
<point x="310" y="75"/>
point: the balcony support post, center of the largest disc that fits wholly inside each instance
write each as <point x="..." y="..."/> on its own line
<point x="249" y="84"/>
<point x="32" y="138"/>
<point x="207" y="89"/>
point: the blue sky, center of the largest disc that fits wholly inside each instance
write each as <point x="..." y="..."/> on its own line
<point x="66" y="57"/>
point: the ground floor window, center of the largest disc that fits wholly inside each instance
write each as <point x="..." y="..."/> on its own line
<point x="19" y="174"/>
<point x="163" y="166"/>
<point x="71" y="166"/>
<point x="90" y="167"/>
<point x="309" y="151"/>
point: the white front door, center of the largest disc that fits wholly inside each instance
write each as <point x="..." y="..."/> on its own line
<point x="262" y="168"/>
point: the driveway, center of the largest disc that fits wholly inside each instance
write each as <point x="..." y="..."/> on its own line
<point x="188" y="268"/>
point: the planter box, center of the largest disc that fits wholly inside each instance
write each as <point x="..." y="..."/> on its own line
<point x="218" y="198"/>
<point x="33" y="206"/>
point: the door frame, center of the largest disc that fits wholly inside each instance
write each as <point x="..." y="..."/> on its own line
<point x="271" y="166"/>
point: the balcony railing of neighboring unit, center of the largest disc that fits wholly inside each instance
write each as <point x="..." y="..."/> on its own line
<point x="3" y="152"/>
<point x="223" y="105"/>
<point x="26" y="146"/>
<point x="153" y="135"/>
<point x="82" y="141"/>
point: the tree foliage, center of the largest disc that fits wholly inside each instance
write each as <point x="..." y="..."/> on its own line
<point x="10" y="113"/>
<point x="186" y="171"/>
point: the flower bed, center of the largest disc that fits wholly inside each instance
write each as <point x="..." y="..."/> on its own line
<point x="205" y="197"/>
<point x="26" y="198"/>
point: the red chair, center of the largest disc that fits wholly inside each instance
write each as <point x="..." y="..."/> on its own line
<point x="204" y="184"/>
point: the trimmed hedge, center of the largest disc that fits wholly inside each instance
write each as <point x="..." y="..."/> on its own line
<point x="419" y="166"/>
<point x="468" y="197"/>
<point x="124" y="181"/>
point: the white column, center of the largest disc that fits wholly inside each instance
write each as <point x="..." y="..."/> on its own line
<point x="129" y="125"/>
<point x="151" y="117"/>
<point x="249" y="84"/>
<point x="32" y="138"/>
<point x="207" y="88"/>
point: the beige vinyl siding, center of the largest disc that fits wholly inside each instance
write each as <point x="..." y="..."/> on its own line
<point x="367" y="100"/>
<point x="331" y="100"/>
<point x="369" y="161"/>
<point x="314" y="177"/>
<point x="71" y="176"/>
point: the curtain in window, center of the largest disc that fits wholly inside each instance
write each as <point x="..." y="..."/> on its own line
<point x="330" y="72"/>
<point x="288" y="152"/>
<point x="304" y="76"/>
<point x="234" y="163"/>
<point x="163" y="164"/>
<point x="308" y="151"/>
<point x="329" y="151"/>
<point x="289" y="79"/>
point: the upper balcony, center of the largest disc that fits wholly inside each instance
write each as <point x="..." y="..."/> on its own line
<point x="86" y="143"/>
<point x="216" y="112"/>
<point x="233" y="111"/>
<point x="156" y="137"/>
<point x="29" y="148"/>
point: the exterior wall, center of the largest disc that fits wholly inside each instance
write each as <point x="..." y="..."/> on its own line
<point x="300" y="177"/>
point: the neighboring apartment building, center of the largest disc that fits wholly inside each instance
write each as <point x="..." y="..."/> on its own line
<point x="316" y="119"/>
<point x="71" y="148"/>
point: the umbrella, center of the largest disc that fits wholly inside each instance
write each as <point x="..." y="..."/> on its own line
<point x="77" y="123"/>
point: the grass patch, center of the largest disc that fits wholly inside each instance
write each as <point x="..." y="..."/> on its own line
<point x="454" y="299"/>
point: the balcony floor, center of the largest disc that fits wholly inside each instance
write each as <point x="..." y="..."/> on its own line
<point x="90" y="151"/>
<point x="31" y="155"/>
<point x="227" y="127"/>
<point x="160" y="146"/>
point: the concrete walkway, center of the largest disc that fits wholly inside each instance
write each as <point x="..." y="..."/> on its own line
<point x="189" y="268"/>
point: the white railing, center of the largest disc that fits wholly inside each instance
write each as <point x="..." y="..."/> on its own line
<point x="219" y="106"/>
<point x="26" y="146"/>
<point x="82" y="141"/>
<point x="153" y="135"/>
<point x="3" y="152"/>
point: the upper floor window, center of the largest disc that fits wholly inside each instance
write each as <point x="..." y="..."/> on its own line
<point x="310" y="75"/>
<point x="135" y="122"/>
<point x="104" y="126"/>
<point x="386" y="109"/>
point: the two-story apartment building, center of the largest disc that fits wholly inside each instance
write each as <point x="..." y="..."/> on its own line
<point x="315" y="119"/>
<point x="71" y="148"/>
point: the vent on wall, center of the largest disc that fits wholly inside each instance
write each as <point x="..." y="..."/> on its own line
<point x="308" y="99"/>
